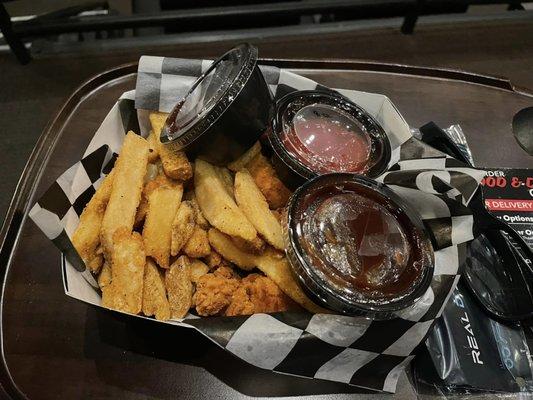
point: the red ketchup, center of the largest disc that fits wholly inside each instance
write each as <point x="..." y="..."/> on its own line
<point x="327" y="139"/>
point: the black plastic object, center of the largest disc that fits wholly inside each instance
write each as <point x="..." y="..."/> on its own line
<point x="499" y="269"/>
<point x="523" y="129"/>
<point x="225" y="111"/>
<point x="337" y="264"/>
<point x="291" y="168"/>
<point x="466" y="350"/>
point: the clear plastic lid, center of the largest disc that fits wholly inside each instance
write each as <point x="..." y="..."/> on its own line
<point x="355" y="245"/>
<point x="316" y="132"/>
<point x="211" y="94"/>
<point x="326" y="138"/>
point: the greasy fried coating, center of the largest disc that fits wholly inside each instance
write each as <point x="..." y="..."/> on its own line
<point x="217" y="206"/>
<point x="153" y="150"/>
<point x="130" y="169"/>
<point x="182" y="227"/>
<point x="267" y="181"/>
<point x="175" y="164"/>
<point x="179" y="287"/>
<point x="241" y="162"/>
<point x="214" y="291"/>
<point x="86" y="238"/>
<point x="258" y="294"/>
<point x="198" y="244"/>
<point x="198" y="269"/>
<point x="227" y="249"/>
<point x="155" y="300"/>
<point x="240" y="304"/>
<point x="254" y="205"/>
<point x="163" y="204"/>
<point x="124" y="293"/>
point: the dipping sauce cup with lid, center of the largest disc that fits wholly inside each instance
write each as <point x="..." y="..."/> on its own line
<point x="225" y="111"/>
<point x="356" y="247"/>
<point x="316" y="132"/>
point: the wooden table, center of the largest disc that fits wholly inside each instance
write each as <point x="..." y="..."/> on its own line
<point x="58" y="347"/>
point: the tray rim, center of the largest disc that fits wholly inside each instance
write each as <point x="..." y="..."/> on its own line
<point x="18" y="208"/>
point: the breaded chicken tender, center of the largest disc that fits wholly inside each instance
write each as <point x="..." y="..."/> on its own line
<point x="224" y="293"/>
<point x="275" y="192"/>
<point x="259" y="294"/>
<point x="214" y="291"/>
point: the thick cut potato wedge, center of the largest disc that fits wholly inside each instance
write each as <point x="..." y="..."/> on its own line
<point x="276" y="267"/>
<point x="241" y="162"/>
<point x="155" y="300"/>
<point x="182" y="227"/>
<point x="179" y="287"/>
<point x="130" y="169"/>
<point x="104" y="278"/>
<point x="86" y="238"/>
<point x="175" y="164"/>
<point x="124" y="293"/>
<point x="200" y="219"/>
<point x="163" y="205"/>
<point x="217" y="205"/>
<point x="254" y="205"/>
<point x="153" y="149"/>
<point x="227" y="249"/>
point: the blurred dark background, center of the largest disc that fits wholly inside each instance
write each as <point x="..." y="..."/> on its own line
<point x="48" y="48"/>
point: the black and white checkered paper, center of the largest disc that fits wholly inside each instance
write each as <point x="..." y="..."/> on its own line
<point x="354" y="350"/>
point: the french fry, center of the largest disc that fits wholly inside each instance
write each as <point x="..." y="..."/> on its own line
<point x="198" y="268"/>
<point x="175" y="164"/>
<point x="155" y="300"/>
<point x="217" y="206"/>
<point x="163" y="204"/>
<point x="182" y="227"/>
<point x="198" y="244"/>
<point x="248" y="156"/>
<point x="86" y="238"/>
<point x="104" y="279"/>
<point x="130" y="169"/>
<point x="227" y="180"/>
<point x="153" y="149"/>
<point x="276" y="267"/>
<point x="124" y="293"/>
<point x="227" y="249"/>
<point x="152" y="180"/>
<point x="179" y="287"/>
<point x="254" y="205"/>
<point x="200" y="219"/>
<point x="266" y="179"/>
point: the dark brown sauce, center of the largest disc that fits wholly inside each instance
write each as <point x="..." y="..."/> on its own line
<point x="359" y="241"/>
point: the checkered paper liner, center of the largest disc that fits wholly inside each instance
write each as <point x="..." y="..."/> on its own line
<point x="355" y="350"/>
